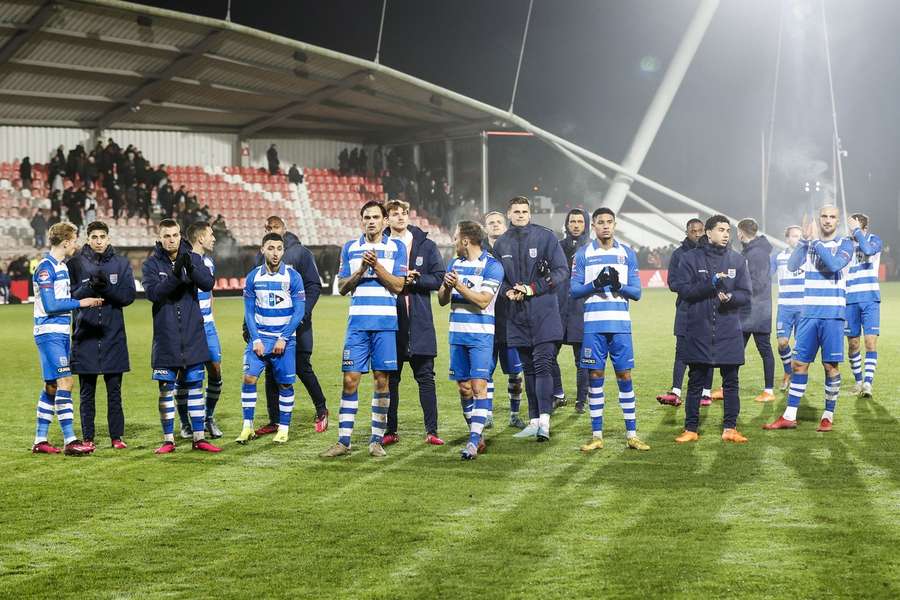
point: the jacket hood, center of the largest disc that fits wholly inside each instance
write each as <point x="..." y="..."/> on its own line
<point x="160" y="253"/>
<point x="687" y="244"/>
<point x="713" y="249"/>
<point x="417" y="232"/>
<point x="290" y="240"/>
<point x="88" y="253"/>
<point x="570" y="243"/>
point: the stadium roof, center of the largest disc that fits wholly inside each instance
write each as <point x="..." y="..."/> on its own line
<point x="101" y="64"/>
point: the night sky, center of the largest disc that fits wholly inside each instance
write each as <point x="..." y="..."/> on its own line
<point x="588" y="75"/>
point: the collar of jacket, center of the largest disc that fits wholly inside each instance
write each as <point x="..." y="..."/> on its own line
<point x="88" y="253"/>
<point x="520" y="230"/>
<point x="418" y="233"/>
<point x="759" y="241"/>
<point x="715" y="250"/>
<point x="687" y="244"/>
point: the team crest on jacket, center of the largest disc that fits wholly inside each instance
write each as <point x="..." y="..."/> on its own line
<point x="532" y="252"/>
<point x="419" y="261"/>
<point x="732" y="273"/>
<point x="114" y="278"/>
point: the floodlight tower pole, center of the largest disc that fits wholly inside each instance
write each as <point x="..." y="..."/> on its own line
<point x="484" y="172"/>
<point x="661" y="102"/>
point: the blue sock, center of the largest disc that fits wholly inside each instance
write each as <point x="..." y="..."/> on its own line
<point x="380" y="403"/>
<point x="285" y="406"/>
<point x="248" y="403"/>
<point x="785" y="354"/>
<point x="479" y="418"/>
<point x="832" y="389"/>
<point x="627" y="402"/>
<point x="468" y="406"/>
<point x="167" y="409"/>
<point x="856" y="366"/>
<point x="45" y="412"/>
<point x="795" y="393"/>
<point x="181" y="404"/>
<point x="64" y="413"/>
<point x="871" y="363"/>
<point x="196" y="408"/>
<point x="514" y="389"/>
<point x="213" y="391"/>
<point x="596" y="402"/>
<point x="347" y="416"/>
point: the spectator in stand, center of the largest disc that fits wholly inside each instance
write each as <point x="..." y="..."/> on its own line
<point x="344" y="162"/>
<point x="272" y="158"/>
<point x="220" y="229"/>
<point x="363" y="166"/>
<point x="91" y="171"/>
<point x="90" y="207"/>
<point x="160" y="177"/>
<point x="354" y="161"/>
<point x="53" y="220"/>
<point x="25" y="173"/>
<point x="165" y="196"/>
<point x="141" y="172"/>
<point x="131" y="203"/>
<point x="143" y="201"/>
<point x="75" y="210"/>
<point x="55" y="201"/>
<point x="180" y="197"/>
<point x="294" y="175"/>
<point x="114" y="192"/>
<point x="39" y="225"/>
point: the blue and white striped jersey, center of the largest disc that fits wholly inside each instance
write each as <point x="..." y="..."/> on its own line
<point x="372" y="306"/>
<point x="205" y="298"/>
<point x="274" y="299"/>
<point x="862" y="273"/>
<point x="790" y="283"/>
<point x="824" y="284"/>
<point x="606" y="311"/>
<point x="470" y="325"/>
<point x="53" y="302"/>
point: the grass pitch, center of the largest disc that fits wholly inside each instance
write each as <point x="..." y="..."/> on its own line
<point x="791" y="514"/>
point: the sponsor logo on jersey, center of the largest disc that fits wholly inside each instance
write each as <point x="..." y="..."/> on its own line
<point x="347" y="363"/>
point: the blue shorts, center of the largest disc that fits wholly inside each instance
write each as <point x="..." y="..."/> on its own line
<point x="212" y="340"/>
<point x="813" y="334"/>
<point x="284" y="366"/>
<point x="787" y="319"/>
<point x="363" y="347"/>
<point x="597" y="346"/>
<point x="471" y="362"/>
<point x="865" y="316"/>
<point x="53" y="351"/>
<point x="510" y="363"/>
<point x="192" y="373"/>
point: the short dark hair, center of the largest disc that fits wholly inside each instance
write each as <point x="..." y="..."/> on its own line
<point x="370" y="204"/>
<point x="272" y="237"/>
<point x="195" y="229"/>
<point x="518" y="200"/>
<point x="748" y="226"/>
<point x="603" y="210"/>
<point x="715" y="220"/>
<point x="691" y="222"/>
<point x="863" y="219"/>
<point x="166" y="223"/>
<point x="471" y="231"/>
<point x="97" y="226"/>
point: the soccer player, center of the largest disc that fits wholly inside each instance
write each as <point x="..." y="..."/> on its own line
<point x="99" y="344"/>
<point x="505" y="355"/>
<point x="790" y="300"/>
<point x="713" y="284"/>
<point x="274" y="305"/>
<point x="605" y="272"/>
<point x="172" y="277"/>
<point x="756" y="317"/>
<point x="299" y="257"/>
<point x="863" y="302"/>
<point x="822" y="320"/>
<point x="470" y="287"/>
<point x="416" y="340"/>
<point x="53" y="308"/>
<point x="203" y="241"/>
<point x="373" y="270"/>
<point x="533" y="267"/>
<point x="693" y="231"/>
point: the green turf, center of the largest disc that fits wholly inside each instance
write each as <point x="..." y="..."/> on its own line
<point x="791" y="514"/>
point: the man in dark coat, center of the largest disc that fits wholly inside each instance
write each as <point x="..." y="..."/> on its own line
<point x="272" y="159"/>
<point x="534" y="267"/>
<point x="294" y="175"/>
<point x="39" y="225"/>
<point x="693" y="232"/>
<point x="99" y="345"/>
<point x="171" y="276"/>
<point x="416" y="340"/>
<point x="25" y="173"/>
<point x="572" y="309"/>
<point x="298" y="257"/>
<point x="756" y="318"/>
<point x="504" y="355"/>
<point x="713" y="284"/>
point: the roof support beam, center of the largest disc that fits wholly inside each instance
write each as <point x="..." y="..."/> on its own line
<point x="25" y="32"/>
<point x="177" y="66"/>
<point x="294" y="108"/>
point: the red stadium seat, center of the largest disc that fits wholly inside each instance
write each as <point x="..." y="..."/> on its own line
<point x="234" y="284"/>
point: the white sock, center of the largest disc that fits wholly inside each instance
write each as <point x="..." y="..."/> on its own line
<point x="544" y="422"/>
<point x="598" y="435"/>
<point x="706" y="392"/>
<point x="248" y="423"/>
<point x="769" y="391"/>
<point x="829" y="415"/>
<point x="532" y="422"/>
<point x="790" y="413"/>
<point x="677" y="392"/>
<point x="283" y="427"/>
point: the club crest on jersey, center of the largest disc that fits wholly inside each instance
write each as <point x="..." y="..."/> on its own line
<point x="44" y="275"/>
<point x="621" y="259"/>
<point x="64" y="361"/>
<point x="732" y="273"/>
<point x="419" y="261"/>
<point x="532" y="252"/>
<point x="114" y="278"/>
<point x="285" y="286"/>
<point x="587" y="352"/>
<point x="346" y="355"/>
